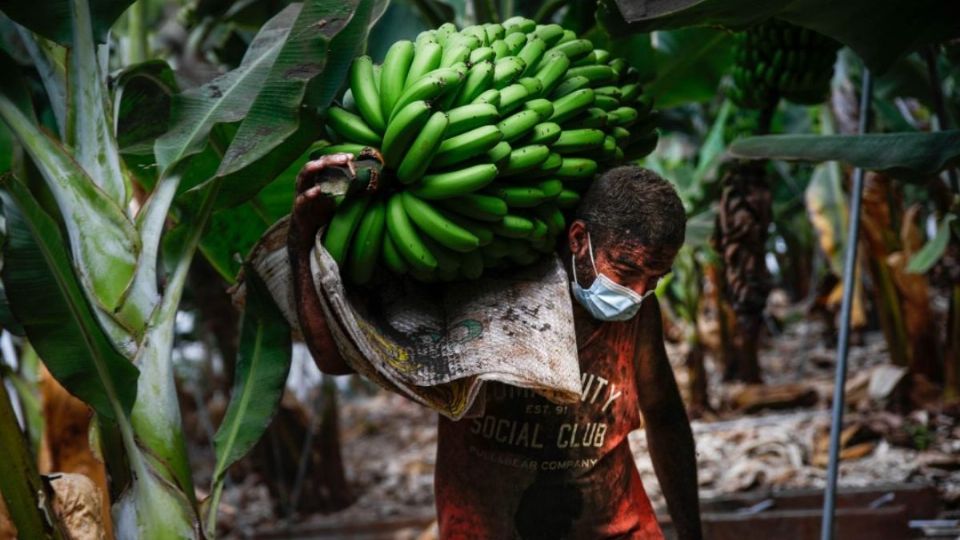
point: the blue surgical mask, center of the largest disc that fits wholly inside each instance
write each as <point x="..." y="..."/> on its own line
<point x="606" y="300"/>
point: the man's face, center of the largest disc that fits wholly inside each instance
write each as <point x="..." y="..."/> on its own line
<point x="628" y="263"/>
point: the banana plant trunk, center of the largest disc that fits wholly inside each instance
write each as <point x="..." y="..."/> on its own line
<point x="741" y="237"/>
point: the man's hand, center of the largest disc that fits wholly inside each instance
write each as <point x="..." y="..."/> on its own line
<point x="669" y="438"/>
<point x="312" y="209"/>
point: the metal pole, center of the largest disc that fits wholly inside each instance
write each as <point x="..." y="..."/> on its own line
<point x="843" y="345"/>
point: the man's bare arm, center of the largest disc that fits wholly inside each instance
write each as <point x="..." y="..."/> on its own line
<point x="669" y="437"/>
<point x="311" y="210"/>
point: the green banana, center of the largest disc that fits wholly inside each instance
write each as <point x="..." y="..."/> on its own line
<point x="543" y="107"/>
<point x="606" y="103"/>
<point x="597" y="74"/>
<point x="467" y="117"/>
<point x="426" y="58"/>
<point x="494" y="31"/>
<point x="402" y="130"/>
<point x="567" y="199"/>
<point x="444" y="31"/>
<point x="423" y="148"/>
<point x="513" y="226"/>
<point x="427" y="36"/>
<point x="572" y="104"/>
<point x="466" y="145"/>
<point x="518" y="124"/>
<point x="479" y="79"/>
<point x="629" y="93"/>
<point x="618" y="66"/>
<point x="436" y="226"/>
<point x="512" y="96"/>
<point x="620" y="134"/>
<point x="518" y="196"/>
<point x="458" y="53"/>
<point x="477" y="228"/>
<point x="549" y="33"/>
<point x="622" y="116"/>
<point x="532" y="84"/>
<point x="612" y="91"/>
<point x="540" y="230"/>
<point x="498" y="248"/>
<point x="515" y="42"/>
<point x="574" y="49"/>
<point x="490" y="97"/>
<point x="451" y="184"/>
<point x="575" y="168"/>
<point x="594" y="117"/>
<point x="342" y="226"/>
<point x="568" y="35"/>
<point x="507" y="70"/>
<point x="391" y="256"/>
<point x="393" y="75"/>
<point x="551" y="188"/>
<point x="552" y="216"/>
<point x="482" y="54"/>
<point x="520" y="25"/>
<point x="367" y="243"/>
<point x="365" y="93"/>
<point x="555" y="65"/>
<point x="351" y="127"/>
<point x="430" y="86"/>
<point x="525" y="158"/>
<point x="406" y="239"/>
<point x="570" y="85"/>
<point x="477" y="206"/>
<point x="578" y="140"/>
<point x="500" y="154"/>
<point x="531" y="53"/>
<point x="544" y="133"/>
<point x="500" y="49"/>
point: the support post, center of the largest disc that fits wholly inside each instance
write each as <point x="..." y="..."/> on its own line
<point x="843" y="343"/>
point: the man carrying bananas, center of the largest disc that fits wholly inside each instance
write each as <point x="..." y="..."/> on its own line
<point x="529" y="468"/>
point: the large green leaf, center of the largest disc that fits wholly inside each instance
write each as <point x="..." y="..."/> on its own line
<point x="261" y="373"/>
<point x="227" y="98"/>
<point x="909" y="156"/>
<point x="51" y="18"/>
<point x="142" y="97"/>
<point x="689" y="65"/>
<point x="879" y="32"/>
<point x="103" y="242"/>
<point x="325" y="38"/>
<point x="94" y="145"/>
<point x="401" y="21"/>
<point x="47" y="298"/>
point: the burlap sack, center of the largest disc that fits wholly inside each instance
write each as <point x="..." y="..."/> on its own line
<point x="437" y="344"/>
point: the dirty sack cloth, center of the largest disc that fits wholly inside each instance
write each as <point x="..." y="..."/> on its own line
<point x="438" y="344"/>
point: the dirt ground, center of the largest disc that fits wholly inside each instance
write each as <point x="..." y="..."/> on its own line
<point x="389" y="443"/>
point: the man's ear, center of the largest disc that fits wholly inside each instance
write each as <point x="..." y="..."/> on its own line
<point x="577" y="238"/>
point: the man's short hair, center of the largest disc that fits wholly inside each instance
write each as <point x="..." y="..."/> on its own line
<point x="629" y="203"/>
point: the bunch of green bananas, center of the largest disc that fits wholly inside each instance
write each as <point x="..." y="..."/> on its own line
<point x="777" y="59"/>
<point x="487" y="135"/>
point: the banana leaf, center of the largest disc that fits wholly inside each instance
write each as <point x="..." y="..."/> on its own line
<point x="880" y="32"/>
<point x="47" y="299"/>
<point x="227" y="98"/>
<point x="913" y="157"/>
<point x="924" y="259"/>
<point x="52" y="19"/>
<point x="91" y="132"/>
<point x="261" y="374"/>
<point x="309" y="69"/>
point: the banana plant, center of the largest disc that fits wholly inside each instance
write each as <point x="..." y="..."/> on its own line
<point x="82" y="267"/>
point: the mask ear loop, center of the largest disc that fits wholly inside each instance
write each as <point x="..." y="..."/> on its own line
<point x="573" y="261"/>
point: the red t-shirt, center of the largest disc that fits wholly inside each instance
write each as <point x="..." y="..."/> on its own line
<point x="532" y="469"/>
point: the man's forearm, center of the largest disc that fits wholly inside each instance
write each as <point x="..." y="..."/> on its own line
<point x="671" y="447"/>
